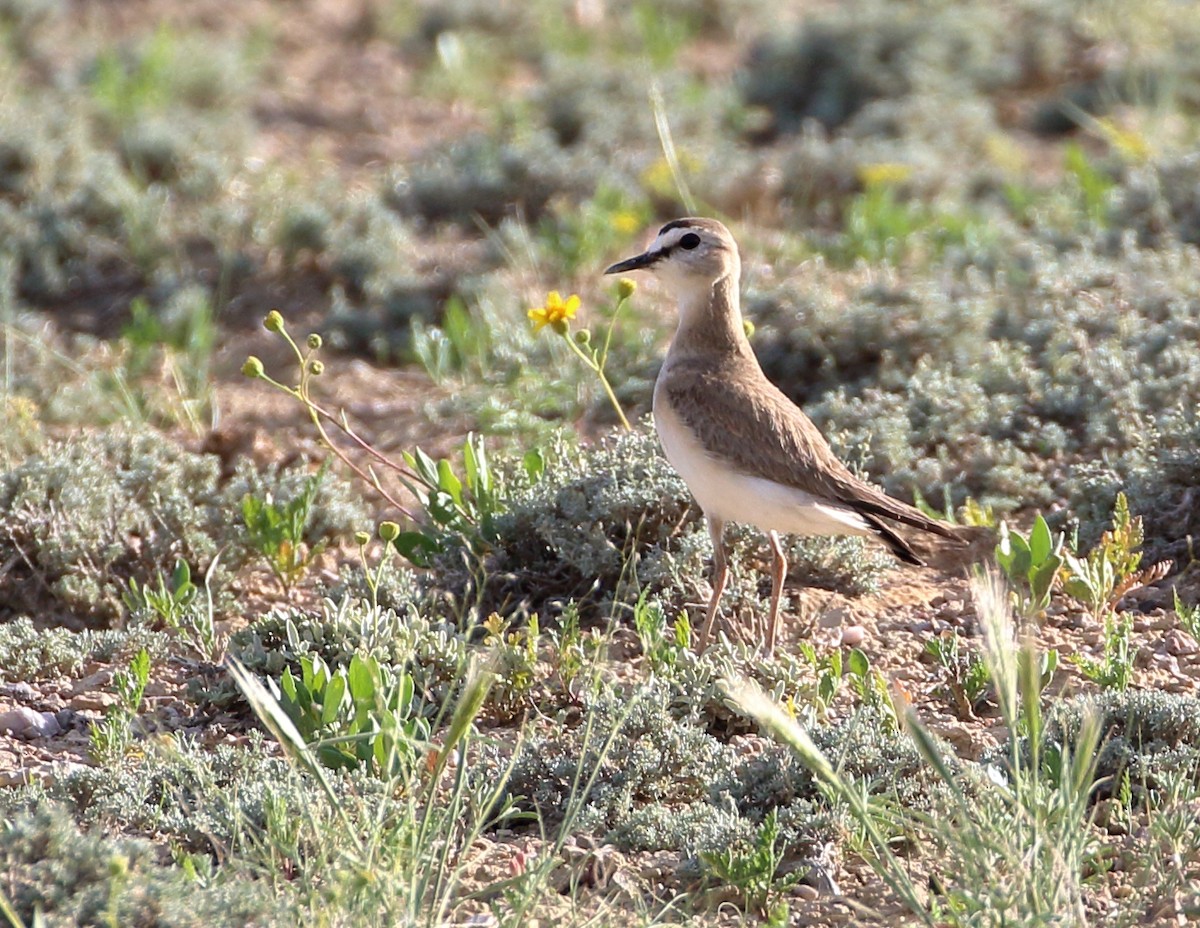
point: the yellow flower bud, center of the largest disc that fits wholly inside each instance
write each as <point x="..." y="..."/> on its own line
<point x="748" y="326"/>
<point x="274" y="321"/>
<point x="583" y="337"/>
<point x="253" y="367"/>
<point x="625" y="288"/>
<point x="314" y="341"/>
<point x="316" y="368"/>
<point x="389" y="531"/>
<point x="362" y="538"/>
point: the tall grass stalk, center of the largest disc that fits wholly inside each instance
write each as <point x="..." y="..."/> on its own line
<point x="1013" y="843"/>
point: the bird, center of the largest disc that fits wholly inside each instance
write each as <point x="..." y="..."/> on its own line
<point x="747" y="453"/>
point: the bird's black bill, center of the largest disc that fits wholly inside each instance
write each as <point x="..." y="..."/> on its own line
<point x="646" y="259"/>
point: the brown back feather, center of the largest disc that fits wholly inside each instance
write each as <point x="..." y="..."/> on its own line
<point x="739" y="415"/>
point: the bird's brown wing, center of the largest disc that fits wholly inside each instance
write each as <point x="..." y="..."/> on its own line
<point x="742" y="417"/>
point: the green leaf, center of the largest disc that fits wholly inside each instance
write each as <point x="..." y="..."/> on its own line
<point x="449" y="483"/>
<point x="1040" y="541"/>
<point x="362" y="681"/>
<point x="534" y="463"/>
<point x="404" y="694"/>
<point x="287" y="683"/>
<point x="858" y="663"/>
<point x="425" y="468"/>
<point x="333" y="696"/>
<point x="417" y="548"/>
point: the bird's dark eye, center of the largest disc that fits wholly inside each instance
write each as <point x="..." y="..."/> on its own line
<point x="689" y="241"/>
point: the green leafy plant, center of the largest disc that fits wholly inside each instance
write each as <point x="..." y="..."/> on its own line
<point x="179" y="337"/>
<point x="872" y="690"/>
<point x="167" y="603"/>
<point x="514" y="663"/>
<point x="1189" y="616"/>
<point x="753" y="871"/>
<point x="662" y="641"/>
<point x="971" y="512"/>
<point x="363" y="714"/>
<point x="111" y="737"/>
<point x="178" y="606"/>
<point x="459" y="341"/>
<point x="1114" y="668"/>
<point x="461" y="506"/>
<point x="1111" y="569"/>
<point x="828" y="671"/>
<point x="277" y="531"/>
<point x="1094" y="185"/>
<point x="1030" y="565"/>
<point x="964" y="672"/>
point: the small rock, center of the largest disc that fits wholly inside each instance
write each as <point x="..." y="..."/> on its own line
<point x="19" y="691"/>
<point x="93" y="681"/>
<point x="835" y="617"/>
<point x="95" y="701"/>
<point x="1144" y="656"/>
<point x="27" y="723"/>
<point x="923" y="627"/>
<point x="951" y="608"/>
<point x="1179" y="642"/>
<point x="52" y="701"/>
<point x="853" y="635"/>
<point x="806" y="892"/>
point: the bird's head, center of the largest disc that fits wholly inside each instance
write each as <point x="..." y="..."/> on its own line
<point x="689" y="256"/>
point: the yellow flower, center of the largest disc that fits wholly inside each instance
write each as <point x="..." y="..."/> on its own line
<point x="625" y="221"/>
<point x="1129" y="143"/>
<point x="883" y="174"/>
<point x="556" y="313"/>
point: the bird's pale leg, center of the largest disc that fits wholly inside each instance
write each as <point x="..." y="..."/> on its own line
<point x="778" y="572"/>
<point x="716" y="530"/>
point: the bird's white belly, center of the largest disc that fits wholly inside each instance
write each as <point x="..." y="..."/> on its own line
<point x="725" y="494"/>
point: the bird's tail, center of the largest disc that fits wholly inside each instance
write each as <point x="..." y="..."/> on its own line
<point x="899" y="547"/>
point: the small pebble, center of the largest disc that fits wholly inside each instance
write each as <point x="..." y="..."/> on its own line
<point x="806" y="892"/>
<point x="853" y="636"/>
<point x="923" y="627"/>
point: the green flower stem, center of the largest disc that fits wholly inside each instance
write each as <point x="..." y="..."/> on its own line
<point x="598" y="367"/>
<point x="612" y="324"/>
<point x="319" y="415"/>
